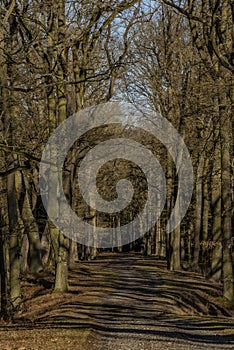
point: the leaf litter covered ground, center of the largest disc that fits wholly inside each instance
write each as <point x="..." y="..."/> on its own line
<point x="121" y="302"/>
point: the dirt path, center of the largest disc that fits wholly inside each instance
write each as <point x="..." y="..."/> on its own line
<point x="123" y="303"/>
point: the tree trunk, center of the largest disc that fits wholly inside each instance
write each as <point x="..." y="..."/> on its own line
<point x="61" y="277"/>
<point x="216" y="258"/>
<point x="15" y="233"/>
<point x="199" y="212"/>
<point x="61" y="280"/>
<point x="35" y="262"/>
<point x="228" y="278"/>
<point x="4" y="263"/>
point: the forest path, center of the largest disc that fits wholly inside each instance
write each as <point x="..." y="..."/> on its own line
<point x="129" y="302"/>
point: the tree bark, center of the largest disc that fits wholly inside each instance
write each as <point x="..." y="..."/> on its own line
<point x="228" y="278"/>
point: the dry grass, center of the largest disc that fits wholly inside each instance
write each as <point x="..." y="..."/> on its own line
<point x="42" y="339"/>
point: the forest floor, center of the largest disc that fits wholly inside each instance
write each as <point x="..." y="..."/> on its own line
<point x="122" y="303"/>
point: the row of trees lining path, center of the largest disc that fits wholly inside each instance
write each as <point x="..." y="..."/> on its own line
<point x="58" y="57"/>
<point x="122" y="302"/>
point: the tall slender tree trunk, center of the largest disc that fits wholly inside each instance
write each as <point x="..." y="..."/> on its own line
<point x="205" y="227"/>
<point x="228" y="277"/>
<point x="4" y="255"/>
<point x="199" y="212"/>
<point x="61" y="280"/>
<point x="175" y="235"/>
<point x="15" y="238"/>
<point x="216" y="258"/>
